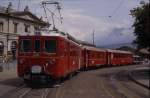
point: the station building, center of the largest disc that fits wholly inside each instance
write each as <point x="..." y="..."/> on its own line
<point x="14" y="23"/>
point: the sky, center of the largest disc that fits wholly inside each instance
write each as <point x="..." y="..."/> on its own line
<point x="110" y="20"/>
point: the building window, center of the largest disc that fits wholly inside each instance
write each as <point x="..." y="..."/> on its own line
<point x="15" y="27"/>
<point x="1" y="48"/>
<point x="1" y="26"/>
<point x="27" y="27"/>
<point x="13" y="49"/>
<point x="36" y="30"/>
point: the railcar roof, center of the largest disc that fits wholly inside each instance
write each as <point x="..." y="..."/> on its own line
<point x="119" y="51"/>
<point x="29" y="36"/>
<point x="94" y="48"/>
<point x="56" y="33"/>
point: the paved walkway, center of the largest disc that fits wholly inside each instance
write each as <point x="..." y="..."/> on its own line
<point x="141" y="76"/>
<point x="7" y="66"/>
<point x="8" y="78"/>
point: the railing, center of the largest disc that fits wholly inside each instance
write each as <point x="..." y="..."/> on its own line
<point x="8" y="34"/>
<point x="5" y="62"/>
<point x="5" y="59"/>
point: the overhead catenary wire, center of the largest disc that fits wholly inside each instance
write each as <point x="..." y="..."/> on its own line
<point x="59" y="8"/>
<point x="45" y="12"/>
<point x="93" y="37"/>
<point x="116" y="9"/>
<point x="44" y="3"/>
<point x="53" y="14"/>
<point x="108" y="18"/>
<point x="18" y="5"/>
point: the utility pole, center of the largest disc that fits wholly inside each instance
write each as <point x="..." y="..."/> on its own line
<point x="93" y="37"/>
<point x="18" y="5"/>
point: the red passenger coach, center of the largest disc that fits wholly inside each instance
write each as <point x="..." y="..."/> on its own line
<point x="48" y="57"/>
<point x="94" y="57"/>
<point x="117" y="57"/>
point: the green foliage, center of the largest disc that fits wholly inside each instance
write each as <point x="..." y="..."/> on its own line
<point x="142" y="25"/>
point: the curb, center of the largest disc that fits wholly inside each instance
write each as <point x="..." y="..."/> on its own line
<point x="139" y="83"/>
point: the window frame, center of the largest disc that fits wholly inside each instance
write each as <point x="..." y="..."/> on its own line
<point x="26" y="28"/>
<point x="39" y="45"/>
<point x="31" y="49"/>
<point x="44" y="50"/>
<point x="15" y="27"/>
<point x="1" y="26"/>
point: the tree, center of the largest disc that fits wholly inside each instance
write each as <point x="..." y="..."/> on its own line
<point x="141" y="25"/>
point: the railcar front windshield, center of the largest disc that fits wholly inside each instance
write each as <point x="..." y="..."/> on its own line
<point x="25" y="45"/>
<point x="50" y="46"/>
<point x="37" y="46"/>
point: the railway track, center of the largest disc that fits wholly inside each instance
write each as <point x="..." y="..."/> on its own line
<point x="15" y="92"/>
<point x="35" y="93"/>
<point x="130" y="88"/>
<point x="26" y="92"/>
<point x="120" y="86"/>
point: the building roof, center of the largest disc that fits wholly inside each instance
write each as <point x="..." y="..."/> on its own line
<point x="3" y="9"/>
<point x="22" y="13"/>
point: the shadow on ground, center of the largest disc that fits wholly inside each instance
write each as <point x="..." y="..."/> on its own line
<point x="141" y="74"/>
<point x="16" y="82"/>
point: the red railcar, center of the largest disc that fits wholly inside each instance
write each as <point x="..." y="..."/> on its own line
<point x="48" y="57"/>
<point x="117" y="57"/>
<point x="59" y="55"/>
<point x="94" y="57"/>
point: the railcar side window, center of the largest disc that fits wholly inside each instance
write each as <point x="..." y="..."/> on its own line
<point x="25" y="45"/>
<point x="37" y="46"/>
<point x="50" y="46"/>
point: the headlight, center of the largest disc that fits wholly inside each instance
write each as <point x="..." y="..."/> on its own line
<point x="36" y="69"/>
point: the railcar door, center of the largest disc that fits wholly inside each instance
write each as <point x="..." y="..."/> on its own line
<point x="50" y="49"/>
<point x="109" y="58"/>
<point x="36" y="57"/>
<point x="86" y="58"/>
<point x="68" y="54"/>
<point x="63" y="56"/>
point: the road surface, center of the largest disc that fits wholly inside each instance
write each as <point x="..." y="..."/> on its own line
<point x="112" y="82"/>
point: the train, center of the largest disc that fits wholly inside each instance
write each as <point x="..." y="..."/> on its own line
<point x="59" y="55"/>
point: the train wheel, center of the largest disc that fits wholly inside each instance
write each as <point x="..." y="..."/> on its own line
<point x="28" y="82"/>
<point x="58" y="82"/>
<point x="85" y="69"/>
<point x="76" y="73"/>
<point x="70" y="75"/>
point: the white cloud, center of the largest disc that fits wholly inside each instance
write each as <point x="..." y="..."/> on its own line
<point x="81" y="27"/>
